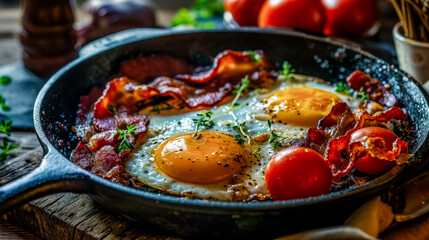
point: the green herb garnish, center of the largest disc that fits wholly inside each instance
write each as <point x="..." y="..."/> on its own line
<point x="5" y="126"/>
<point x="362" y="96"/>
<point x="274" y="138"/>
<point x="6" y="148"/>
<point x="286" y="71"/>
<point x="239" y="139"/>
<point x="162" y="107"/>
<point x="204" y="120"/>
<point x="125" y="144"/>
<point x="112" y="109"/>
<point x="341" y="87"/>
<point x="206" y="116"/>
<point x="5" y="80"/>
<point x="256" y="57"/>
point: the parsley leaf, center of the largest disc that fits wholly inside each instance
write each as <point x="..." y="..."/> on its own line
<point x="125" y="144"/>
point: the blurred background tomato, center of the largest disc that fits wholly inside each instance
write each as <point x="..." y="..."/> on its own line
<point x="300" y="14"/>
<point x="244" y="12"/>
<point x="350" y="17"/>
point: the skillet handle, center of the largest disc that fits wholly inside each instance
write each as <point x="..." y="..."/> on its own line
<point x="54" y="174"/>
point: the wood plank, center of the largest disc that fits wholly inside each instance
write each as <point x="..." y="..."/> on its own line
<point x="12" y="232"/>
<point x="18" y="166"/>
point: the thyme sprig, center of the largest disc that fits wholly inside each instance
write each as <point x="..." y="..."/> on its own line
<point x="286" y="71"/>
<point x="274" y="137"/>
<point x="362" y="96"/>
<point x="342" y="87"/>
<point x="125" y="144"/>
<point x="205" y="117"/>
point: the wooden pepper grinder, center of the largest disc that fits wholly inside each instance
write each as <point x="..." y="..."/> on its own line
<point x="48" y="38"/>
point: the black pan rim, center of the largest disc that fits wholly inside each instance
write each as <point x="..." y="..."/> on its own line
<point x="349" y="193"/>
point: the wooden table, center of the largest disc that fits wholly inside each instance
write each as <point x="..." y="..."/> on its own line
<point x="73" y="216"/>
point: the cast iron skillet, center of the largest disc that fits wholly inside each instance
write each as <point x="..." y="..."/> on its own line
<point x="55" y="112"/>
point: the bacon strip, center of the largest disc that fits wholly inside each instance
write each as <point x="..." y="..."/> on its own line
<point x="143" y="68"/>
<point x="229" y="64"/>
<point x="376" y="91"/>
<point x="339" y="120"/>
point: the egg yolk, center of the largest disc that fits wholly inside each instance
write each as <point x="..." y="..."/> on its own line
<point x="210" y="158"/>
<point x="300" y="106"/>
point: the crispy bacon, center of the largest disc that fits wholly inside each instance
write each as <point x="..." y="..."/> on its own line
<point x="332" y="135"/>
<point x="143" y="68"/>
<point x="86" y="103"/>
<point x="229" y="64"/>
<point x="340" y="162"/>
<point x="127" y="95"/>
<point x="101" y="155"/>
<point x="339" y="120"/>
<point x="376" y="91"/>
<point x="376" y="147"/>
<point x="82" y="157"/>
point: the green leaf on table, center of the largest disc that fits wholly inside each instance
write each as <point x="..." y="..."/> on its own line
<point x="6" y="148"/>
<point x="5" y="80"/>
<point x="5" y="126"/>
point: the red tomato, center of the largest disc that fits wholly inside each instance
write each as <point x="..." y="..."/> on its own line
<point x="349" y="17"/>
<point x="300" y="14"/>
<point x="244" y="12"/>
<point x="366" y="163"/>
<point x="297" y="172"/>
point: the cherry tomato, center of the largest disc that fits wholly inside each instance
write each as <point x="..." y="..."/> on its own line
<point x="300" y="14"/>
<point x="349" y="17"/>
<point x="365" y="162"/>
<point x="297" y="172"/>
<point x="244" y="12"/>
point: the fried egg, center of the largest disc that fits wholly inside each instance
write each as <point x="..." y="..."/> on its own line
<point x="212" y="164"/>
